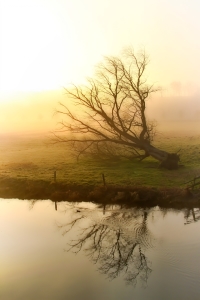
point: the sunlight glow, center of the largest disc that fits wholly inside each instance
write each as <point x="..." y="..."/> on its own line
<point x="47" y="44"/>
<point x="34" y="56"/>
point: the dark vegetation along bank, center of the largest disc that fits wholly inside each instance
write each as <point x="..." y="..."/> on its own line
<point x="104" y="194"/>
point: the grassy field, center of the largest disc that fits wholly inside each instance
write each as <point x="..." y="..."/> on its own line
<point x="32" y="157"/>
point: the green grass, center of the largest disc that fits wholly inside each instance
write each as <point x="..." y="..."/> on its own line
<point x="33" y="158"/>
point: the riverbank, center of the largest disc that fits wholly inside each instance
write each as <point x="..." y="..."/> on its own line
<point x="102" y="194"/>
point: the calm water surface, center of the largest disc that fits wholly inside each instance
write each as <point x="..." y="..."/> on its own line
<point x="83" y="251"/>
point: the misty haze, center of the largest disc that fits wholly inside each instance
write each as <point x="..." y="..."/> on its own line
<point x="99" y="150"/>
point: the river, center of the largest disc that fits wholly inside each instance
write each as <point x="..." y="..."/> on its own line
<point x="74" y="251"/>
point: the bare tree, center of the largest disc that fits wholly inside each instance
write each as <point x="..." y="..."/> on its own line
<point x="110" y="112"/>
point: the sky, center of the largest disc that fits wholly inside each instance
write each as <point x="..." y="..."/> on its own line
<point x="47" y="44"/>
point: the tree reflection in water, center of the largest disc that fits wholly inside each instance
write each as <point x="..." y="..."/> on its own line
<point x="192" y="215"/>
<point x="117" y="242"/>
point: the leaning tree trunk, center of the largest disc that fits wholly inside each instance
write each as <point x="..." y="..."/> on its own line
<point x="167" y="160"/>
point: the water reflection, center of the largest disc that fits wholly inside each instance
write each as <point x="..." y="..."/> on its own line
<point x="115" y="240"/>
<point x="192" y="215"/>
<point x="121" y="243"/>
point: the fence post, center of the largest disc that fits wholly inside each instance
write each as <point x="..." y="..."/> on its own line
<point x="104" y="181"/>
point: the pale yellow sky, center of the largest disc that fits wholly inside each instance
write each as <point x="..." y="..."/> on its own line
<point x="46" y="44"/>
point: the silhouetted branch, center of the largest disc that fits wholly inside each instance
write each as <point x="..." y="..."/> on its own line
<point x="110" y="112"/>
<point x="110" y="244"/>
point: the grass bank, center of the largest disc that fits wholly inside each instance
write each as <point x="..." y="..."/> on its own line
<point x="33" y="158"/>
<point x="109" y="194"/>
<point x="30" y="162"/>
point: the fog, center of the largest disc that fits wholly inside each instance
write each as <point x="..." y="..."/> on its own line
<point x="29" y="112"/>
<point x="35" y="112"/>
